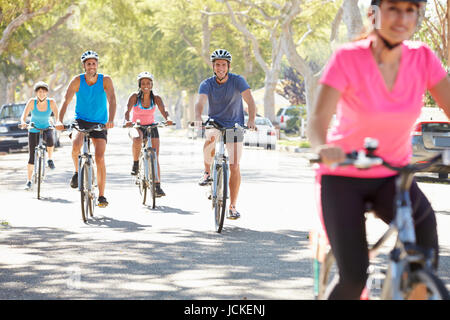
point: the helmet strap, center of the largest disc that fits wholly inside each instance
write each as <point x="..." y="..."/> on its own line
<point x="386" y="43"/>
<point x="40" y="99"/>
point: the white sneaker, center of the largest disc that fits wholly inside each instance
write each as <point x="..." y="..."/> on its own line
<point x="28" y="185"/>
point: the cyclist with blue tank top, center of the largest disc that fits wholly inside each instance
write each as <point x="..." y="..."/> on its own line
<point x="41" y="108"/>
<point x="224" y="93"/>
<point x="93" y="91"/>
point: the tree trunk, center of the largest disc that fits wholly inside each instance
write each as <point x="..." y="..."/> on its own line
<point x="11" y="91"/>
<point x="3" y="88"/>
<point x="299" y="64"/>
<point x="352" y="18"/>
<point x="270" y="84"/>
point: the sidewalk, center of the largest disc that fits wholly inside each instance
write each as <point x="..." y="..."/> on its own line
<point x="305" y="151"/>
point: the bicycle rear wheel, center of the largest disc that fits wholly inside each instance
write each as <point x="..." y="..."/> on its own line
<point x="142" y="180"/>
<point x="425" y="285"/>
<point x="220" y="198"/>
<point x="152" y="177"/>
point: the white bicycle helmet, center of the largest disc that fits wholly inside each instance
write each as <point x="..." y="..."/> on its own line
<point x="221" y="54"/>
<point x="144" y="75"/>
<point x="88" y="55"/>
<point x="39" y="85"/>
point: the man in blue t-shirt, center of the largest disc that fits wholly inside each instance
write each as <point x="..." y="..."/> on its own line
<point x="224" y="92"/>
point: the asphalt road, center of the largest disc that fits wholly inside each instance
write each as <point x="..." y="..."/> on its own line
<point x="130" y="251"/>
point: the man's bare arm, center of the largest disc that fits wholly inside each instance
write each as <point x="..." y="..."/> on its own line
<point x="73" y="87"/>
<point x="111" y="96"/>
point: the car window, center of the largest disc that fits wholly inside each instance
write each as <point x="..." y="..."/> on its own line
<point x="436" y="127"/>
<point x="12" y="112"/>
<point x="280" y="112"/>
<point x="263" y="122"/>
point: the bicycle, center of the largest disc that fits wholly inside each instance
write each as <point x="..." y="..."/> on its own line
<point x="220" y="173"/>
<point x="148" y="163"/>
<point x="40" y="152"/>
<point x="86" y="174"/>
<point x="409" y="265"/>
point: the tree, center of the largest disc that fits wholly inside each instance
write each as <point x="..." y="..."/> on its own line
<point x="260" y="22"/>
<point x="436" y="29"/>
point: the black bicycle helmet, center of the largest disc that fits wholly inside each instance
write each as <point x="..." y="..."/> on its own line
<point x="377" y="2"/>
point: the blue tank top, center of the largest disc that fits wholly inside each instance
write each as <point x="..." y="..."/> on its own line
<point x="40" y="118"/>
<point x="91" y="101"/>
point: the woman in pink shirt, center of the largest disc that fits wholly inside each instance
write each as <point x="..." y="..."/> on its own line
<point x="143" y="104"/>
<point x="375" y="86"/>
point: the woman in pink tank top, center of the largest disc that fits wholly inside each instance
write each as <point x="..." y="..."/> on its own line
<point x="375" y="86"/>
<point x="142" y="105"/>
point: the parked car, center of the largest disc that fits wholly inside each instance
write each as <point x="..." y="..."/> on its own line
<point x="11" y="136"/>
<point x="286" y="113"/>
<point x="428" y="139"/>
<point x="265" y="135"/>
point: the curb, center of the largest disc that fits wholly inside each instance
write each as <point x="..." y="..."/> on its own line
<point x="294" y="149"/>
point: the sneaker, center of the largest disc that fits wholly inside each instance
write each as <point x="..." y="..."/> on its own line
<point x="233" y="214"/>
<point x="135" y="169"/>
<point x="159" y="191"/>
<point x="28" y="186"/>
<point x="205" y="180"/>
<point x="74" y="180"/>
<point x="102" y="203"/>
<point x="50" y="163"/>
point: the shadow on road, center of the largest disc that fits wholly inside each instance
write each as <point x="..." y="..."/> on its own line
<point x="167" y="209"/>
<point x="126" y="226"/>
<point x="181" y="264"/>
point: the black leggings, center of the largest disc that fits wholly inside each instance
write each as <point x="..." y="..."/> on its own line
<point x="33" y="141"/>
<point x="343" y="201"/>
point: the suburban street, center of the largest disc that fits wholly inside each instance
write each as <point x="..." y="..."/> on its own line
<point x="130" y="251"/>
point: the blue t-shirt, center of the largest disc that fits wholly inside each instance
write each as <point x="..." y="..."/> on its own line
<point x="225" y="100"/>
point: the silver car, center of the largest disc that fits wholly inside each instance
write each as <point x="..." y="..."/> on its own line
<point x="428" y="139"/>
<point x="265" y="135"/>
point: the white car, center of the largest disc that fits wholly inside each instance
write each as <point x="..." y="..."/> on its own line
<point x="265" y="135"/>
<point x="286" y="113"/>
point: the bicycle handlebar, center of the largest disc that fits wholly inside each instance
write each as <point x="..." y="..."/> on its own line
<point x="98" y="127"/>
<point x="210" y="123"/>
<point x="32" y="125"/>
<point x="153" y="125"/>
<point x="365" y="159"/>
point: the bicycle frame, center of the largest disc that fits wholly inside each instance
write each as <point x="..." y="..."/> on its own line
<point x="85" y="157"/>
<point x="220" y="158"/>
<point x="40" y="152"/>
<point x="146" y="151"/>
<point x="405" y="251"/>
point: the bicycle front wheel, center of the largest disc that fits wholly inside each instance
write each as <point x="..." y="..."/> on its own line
<point x="39" y="175"/>
<point x="220" y="197"/>
<point x="86" y="199"/>
<point x="425" y="285"/>
<point x="142" y="179"/>
<point x="152" y="177"/>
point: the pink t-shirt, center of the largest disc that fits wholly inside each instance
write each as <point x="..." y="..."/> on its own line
<point x="145" y="115"/>
<point x="367" y="108"/>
